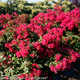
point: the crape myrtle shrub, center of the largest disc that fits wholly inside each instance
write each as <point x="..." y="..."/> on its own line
<point x="51" y="39"/>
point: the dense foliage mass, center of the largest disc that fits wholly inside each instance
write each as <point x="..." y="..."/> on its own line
<point x="22" y="6"/>
<point x="50" y="40"/>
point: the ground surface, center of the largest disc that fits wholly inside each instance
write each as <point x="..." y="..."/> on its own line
<point x="75" y="75"/>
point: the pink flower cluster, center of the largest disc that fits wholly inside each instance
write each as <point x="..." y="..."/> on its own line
<point x="41" y="39"/>
<point x="65" y="63"/>
<point x="34" y="73"/>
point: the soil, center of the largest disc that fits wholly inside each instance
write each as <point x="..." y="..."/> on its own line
<point x="75" y="75"/>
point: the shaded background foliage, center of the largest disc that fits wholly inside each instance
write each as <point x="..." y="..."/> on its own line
<point x="22" y="6"/>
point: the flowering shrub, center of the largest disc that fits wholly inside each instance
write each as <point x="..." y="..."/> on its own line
<point x="51" y="39"/>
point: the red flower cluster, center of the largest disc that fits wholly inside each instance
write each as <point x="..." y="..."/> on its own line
<point x="41" y="39"/>
<point x="65" y="63"/>
<point x="34" y="73"/>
